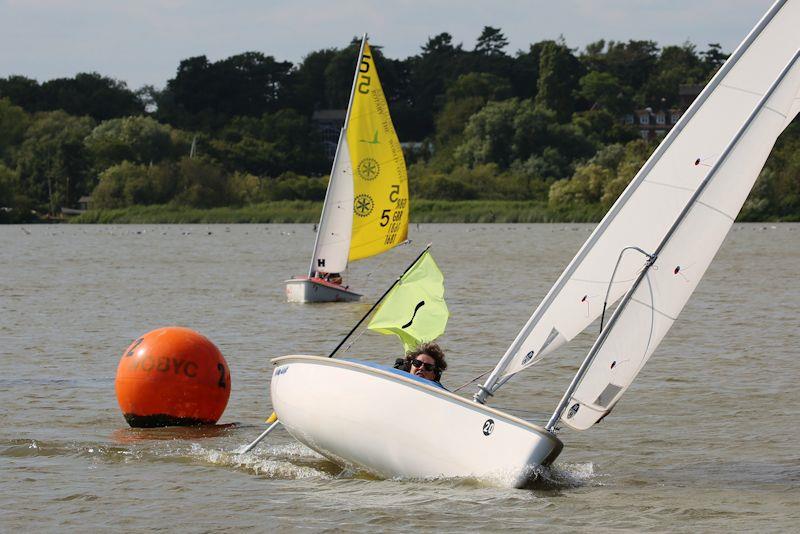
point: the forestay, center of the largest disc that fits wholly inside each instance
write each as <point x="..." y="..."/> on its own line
<point x="656" y="196"/>
<point x="661" y="291"/>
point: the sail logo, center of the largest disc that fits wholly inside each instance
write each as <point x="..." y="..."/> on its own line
<point x="488" y="427"/>
<point x="416" y="309"/>
<point x="363" y="205"/>
<point x="369" y="169"/>
<point x="528" y="357"/>
<point x="573" y="410"/>
<point x="374" y="140"/>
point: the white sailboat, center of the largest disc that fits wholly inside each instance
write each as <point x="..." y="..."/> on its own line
<point x="366" y="205"/>
<point x="646" y="256"/>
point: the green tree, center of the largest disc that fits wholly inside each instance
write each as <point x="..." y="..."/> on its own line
<point x="776" y="193"/>
<point x="585" y="187"/>
<point x="489" y="135"/>
<point x="430" y="73"/>
<point x="559" y="72"/>
<point x="8" y="179"/>
<point x="21" y="91"/>
<point x="203" y="183"/>
<point x="339" y="75"/>
<point x="491" y="42"/>
<point x="52" y="161"/>
<point x="134" y="139"/>
<point x="603" y="90"/>
<point x="464" y="98"/>
<point x="90" y="94"/>
<point x="307" y="83"/>
<point x="13" y="123"/>
<point x="205" y="95"/>
<point x="713" y="58"/>
<point x="675" y="65"/>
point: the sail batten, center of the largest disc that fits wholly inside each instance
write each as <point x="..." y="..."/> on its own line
<point x="647" y="209"/>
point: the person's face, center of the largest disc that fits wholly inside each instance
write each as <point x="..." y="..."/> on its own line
<point x="420" y="371"/>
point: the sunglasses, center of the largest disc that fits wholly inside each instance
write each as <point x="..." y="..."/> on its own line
<point x="425" y="365"/>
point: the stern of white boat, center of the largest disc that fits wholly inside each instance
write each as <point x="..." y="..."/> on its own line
<point x="313" y="290"/>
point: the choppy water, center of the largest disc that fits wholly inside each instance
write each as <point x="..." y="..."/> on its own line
<point x="705" y="440"/>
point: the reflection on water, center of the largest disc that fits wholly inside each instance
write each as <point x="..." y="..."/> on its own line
<point x="684" y="450"/>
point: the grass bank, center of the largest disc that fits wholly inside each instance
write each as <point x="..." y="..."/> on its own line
<point x="422" y="211"/>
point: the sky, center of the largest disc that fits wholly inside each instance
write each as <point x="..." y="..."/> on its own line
<point x="142" y="42"/>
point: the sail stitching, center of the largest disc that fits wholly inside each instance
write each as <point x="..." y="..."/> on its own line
<point x="605" y="282"/>
<point x="673" y="186"/>
<point x="740" y="89"/>
<point x="775" y="111"/>
<point x="709" y="206"/>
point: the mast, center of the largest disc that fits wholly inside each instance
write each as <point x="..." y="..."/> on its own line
<point x="312" y="268"/>
<point x="654" y="256"/>
<point x="493" y="382"/>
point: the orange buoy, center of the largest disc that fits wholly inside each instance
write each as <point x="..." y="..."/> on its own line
<point x="172" y="376"/>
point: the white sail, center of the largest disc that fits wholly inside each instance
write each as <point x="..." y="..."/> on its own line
<point x="332" y="246"/>
<point x="659" y="296"/>
<point x="650" y="204"/>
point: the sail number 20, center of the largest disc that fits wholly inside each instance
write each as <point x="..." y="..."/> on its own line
<point x="364" y="80"/>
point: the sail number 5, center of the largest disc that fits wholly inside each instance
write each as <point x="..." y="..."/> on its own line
<point x="364" y="80"/>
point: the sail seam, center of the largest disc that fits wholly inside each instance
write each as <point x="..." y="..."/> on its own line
<point x="749" y="92"/>
<point x="689" y="189"/>
<point x="605" y="282"/>
<point x="668" y="316"/>
<point x="775" y="111"/>
<point x="709" y="206"/>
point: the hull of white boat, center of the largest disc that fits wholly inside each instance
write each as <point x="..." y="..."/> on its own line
<point x="390" y="424"/>
<point x="317" y="290"/>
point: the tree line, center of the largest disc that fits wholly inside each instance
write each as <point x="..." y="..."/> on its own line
<point x="543" y="124"/>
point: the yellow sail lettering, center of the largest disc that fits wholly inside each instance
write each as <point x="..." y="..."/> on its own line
<point x="379" y="169"/>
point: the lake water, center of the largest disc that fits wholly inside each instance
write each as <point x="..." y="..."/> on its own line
<point x="705" y="440"/>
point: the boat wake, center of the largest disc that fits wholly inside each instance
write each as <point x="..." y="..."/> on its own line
<point x="289" y="461"/>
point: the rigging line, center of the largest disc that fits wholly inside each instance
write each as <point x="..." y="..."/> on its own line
<point x="354" y="340"/>
<point x="611" y="281"/>
<point x="473" y="380"/>
<point x="383" y="262"/>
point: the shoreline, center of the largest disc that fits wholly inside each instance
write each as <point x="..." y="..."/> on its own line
<point x="298" y="211"/>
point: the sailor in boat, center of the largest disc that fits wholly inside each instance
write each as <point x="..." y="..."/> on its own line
<point x="333" y="278"/>
<point x="426" y="361"/>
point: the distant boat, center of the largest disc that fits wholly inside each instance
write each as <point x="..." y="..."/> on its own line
<point x="366" y="205"/>
<point x="644" y="259"/>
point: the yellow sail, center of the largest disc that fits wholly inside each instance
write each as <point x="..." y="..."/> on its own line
<point x="380" y="182"/>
